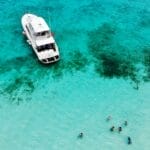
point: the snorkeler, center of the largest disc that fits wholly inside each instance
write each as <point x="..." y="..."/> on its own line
<point x="120" y="129"/>
<point x="125" y="123"/>
<point x="112" y="128"/>
<point x="80" y="135"/>
<point x="108" y="118"/>
<point x="129" y="140"/>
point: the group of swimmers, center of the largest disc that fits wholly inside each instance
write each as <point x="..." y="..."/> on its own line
<point x="129" y="141"/>
<point x="119" y="128"/>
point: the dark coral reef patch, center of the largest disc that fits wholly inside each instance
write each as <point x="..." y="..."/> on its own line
<point x="29" y="72"/>
<point x="101" y="38"/>
<point x="21" y="86"/>
<point x="77" y="61"/>
<point x="110" y="61"/>
<point x="144" y="20"/>
<point x="112" y="65"/>
<point x="146" y="63"/>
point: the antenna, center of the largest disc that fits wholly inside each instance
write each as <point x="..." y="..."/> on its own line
<point x="49" y="19"/>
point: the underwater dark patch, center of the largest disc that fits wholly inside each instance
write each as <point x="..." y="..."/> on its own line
<point x="18" y="83"/>
<point x="18" y="88"/>
<point x="17" y="63"/>
<point x="57" y="69"/>
<point x="111" y="65"/>
<point x="100" y="39"/>
<point x="21" y="84"/>
<point x="146" y="63"/>
<point x="29" y="72"/>
<point x="77" y="61"/>
<point x="110" y="61"/>
<point x="145" y="22"/>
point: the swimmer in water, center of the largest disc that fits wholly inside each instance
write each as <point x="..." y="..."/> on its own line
<point x="125" y="123"/>
<point x="108" y="118"/>
<point x="80" y="135"/>
<point x="112" y="128"/>
<point x="129" y="140"/>
<point x="120" y="129"/>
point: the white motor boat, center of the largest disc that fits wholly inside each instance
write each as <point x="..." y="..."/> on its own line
<point x="40" y="38"/>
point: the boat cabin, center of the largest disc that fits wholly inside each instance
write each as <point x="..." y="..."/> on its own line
<point x="46" y="47"/>
<point x="38" y="28"/>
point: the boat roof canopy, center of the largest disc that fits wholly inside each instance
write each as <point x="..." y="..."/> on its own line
<point x="39" y="25"/>
<point x="45" y="41"/>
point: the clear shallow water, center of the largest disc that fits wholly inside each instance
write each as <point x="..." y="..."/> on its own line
<point x="105" y="54"/>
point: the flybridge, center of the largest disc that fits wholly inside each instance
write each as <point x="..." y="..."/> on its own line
<point x="44" y="41"/>
<point x="39" y="25"/>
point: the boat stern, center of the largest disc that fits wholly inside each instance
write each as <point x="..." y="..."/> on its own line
<point x="49" y="56"/>
<point x="50" y="59"/>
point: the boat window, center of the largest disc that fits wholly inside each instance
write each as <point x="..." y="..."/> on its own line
<point x="50" y="46"/>
<point x="46" y="47"/>
<point x="38" y="34"/>
<point x="40" y="48"/>
<point x="30" y="27"/>
<point x="42" y="33"/>
<point x="28" y="30"/>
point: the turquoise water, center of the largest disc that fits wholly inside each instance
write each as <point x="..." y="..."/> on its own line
<point x="104" y="70"/>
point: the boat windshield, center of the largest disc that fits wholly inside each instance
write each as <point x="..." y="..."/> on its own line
<point x="46" y="47"/>
<point x="42" y="33"/>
